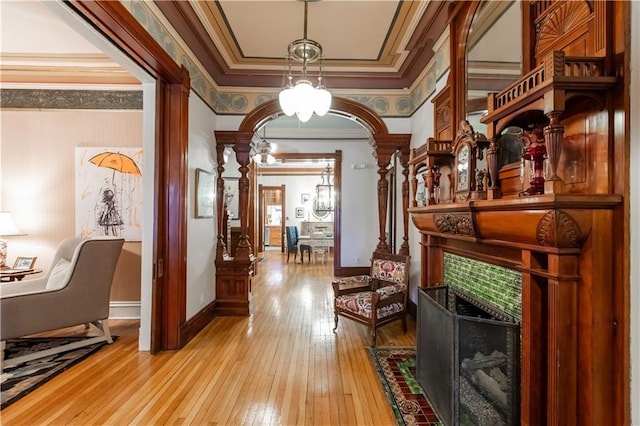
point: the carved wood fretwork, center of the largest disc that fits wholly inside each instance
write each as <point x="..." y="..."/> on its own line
<point x="559" y="229"/>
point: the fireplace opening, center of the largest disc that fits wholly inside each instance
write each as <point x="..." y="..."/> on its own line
<point x="468" y="358"/>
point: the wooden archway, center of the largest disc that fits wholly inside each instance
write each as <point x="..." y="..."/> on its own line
<point x="233" y="274"/>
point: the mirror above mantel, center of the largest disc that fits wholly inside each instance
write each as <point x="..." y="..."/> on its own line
<point x="494" y="55"/>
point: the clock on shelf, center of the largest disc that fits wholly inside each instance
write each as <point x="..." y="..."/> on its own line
<point x="469" y="163"/>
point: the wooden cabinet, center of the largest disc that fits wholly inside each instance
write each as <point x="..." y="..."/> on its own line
<point x="275" y="236"/>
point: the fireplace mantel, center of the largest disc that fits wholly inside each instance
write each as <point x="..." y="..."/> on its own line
<point x="541" y="223"/>
<point x="562" y="245"/>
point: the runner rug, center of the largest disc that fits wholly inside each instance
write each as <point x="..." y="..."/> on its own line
<point x="396" y="368"/>
<point x="24" y="378"/>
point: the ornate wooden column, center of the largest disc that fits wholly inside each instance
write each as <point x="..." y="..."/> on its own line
<point x="221" y="247"/>
<point x="385" y="146"/>
<point x="233" y="274"/>
<point x="405" y="153"/>
<point x="242" y="151"/>
<point x="553" y="138"/>
<point x="384" y="158"/>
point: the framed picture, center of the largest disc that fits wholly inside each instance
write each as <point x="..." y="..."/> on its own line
<point x="108" y="192"/>
<point x="24" y="262"/>
<point x="304" y="198"/>
<point x="205" y="186"/>
<point x="299" y="212"/>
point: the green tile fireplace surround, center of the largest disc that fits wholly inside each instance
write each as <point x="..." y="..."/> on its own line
<point x="495" y="285"/>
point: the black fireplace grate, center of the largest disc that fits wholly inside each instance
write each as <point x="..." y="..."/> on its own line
<point x="468" y="359"/>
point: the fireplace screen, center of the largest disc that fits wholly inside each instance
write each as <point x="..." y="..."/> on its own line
<point x="468" y="360"/>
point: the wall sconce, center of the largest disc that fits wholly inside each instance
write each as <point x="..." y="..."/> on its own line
<point x="7" y="228"/>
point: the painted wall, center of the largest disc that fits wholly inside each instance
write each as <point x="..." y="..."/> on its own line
<point x="201" y="232"/>
<point x="359" y="235"/>
<point x="295" y="187"/>
<point x="37" y="181"/>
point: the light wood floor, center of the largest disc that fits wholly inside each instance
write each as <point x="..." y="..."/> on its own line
<point x="282" y="365"/>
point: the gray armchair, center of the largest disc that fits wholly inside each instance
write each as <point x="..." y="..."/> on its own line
<point x="75" y="291"/>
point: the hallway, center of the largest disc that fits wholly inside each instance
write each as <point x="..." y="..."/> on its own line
<point x="282" y="365"/>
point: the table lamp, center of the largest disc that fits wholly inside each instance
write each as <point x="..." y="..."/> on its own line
<point x="7" y="228"/>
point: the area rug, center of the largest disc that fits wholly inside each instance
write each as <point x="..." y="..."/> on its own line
<point x="23" y="378"/>
<point x="396" y="368"/>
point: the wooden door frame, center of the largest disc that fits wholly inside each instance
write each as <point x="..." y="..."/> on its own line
<point x="261" y="212"/>
<point x="170" y="208"/>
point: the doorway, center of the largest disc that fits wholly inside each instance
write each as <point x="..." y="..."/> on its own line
<point x="271" y="217"/>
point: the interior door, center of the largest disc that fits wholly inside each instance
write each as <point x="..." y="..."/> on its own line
<point x="273" y="216"/>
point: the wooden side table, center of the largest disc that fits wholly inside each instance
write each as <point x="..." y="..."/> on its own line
<point x="8" y="275"/>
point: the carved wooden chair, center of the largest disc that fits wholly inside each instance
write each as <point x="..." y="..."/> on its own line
<point x="375" y="299"/>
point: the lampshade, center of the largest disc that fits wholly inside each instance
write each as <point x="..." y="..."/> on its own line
<point x="7" y="228"/>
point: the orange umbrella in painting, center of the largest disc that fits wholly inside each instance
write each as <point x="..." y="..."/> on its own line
<point x="116" y="161"/>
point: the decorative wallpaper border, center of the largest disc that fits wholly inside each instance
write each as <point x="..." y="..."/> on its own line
<point x="71" y="99"/>
<point x="498" y="286"/>
<point x="233" y="102"/>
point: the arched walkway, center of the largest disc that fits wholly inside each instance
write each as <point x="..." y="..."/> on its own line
<point x="233" y="276"/>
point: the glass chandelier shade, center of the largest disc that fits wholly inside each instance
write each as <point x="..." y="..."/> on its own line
<point x="302" y="98"/>
<point x="262" y="150"/>
<point x="324" y="192"/>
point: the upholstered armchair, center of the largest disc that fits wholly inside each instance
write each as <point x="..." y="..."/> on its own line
<point x="75" y="291"/>
<point x="375" y="299"/>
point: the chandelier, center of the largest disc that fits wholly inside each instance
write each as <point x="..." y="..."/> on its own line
<point x="324" y="192"/>
<point x="302" y="98"/>
<point x="262" y="150"/>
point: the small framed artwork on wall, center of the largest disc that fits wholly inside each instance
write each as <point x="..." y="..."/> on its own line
<point x="299" y="212"/>
<point x="205" y="188"/>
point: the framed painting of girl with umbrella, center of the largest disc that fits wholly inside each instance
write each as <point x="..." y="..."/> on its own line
<point x="109" y="192"/>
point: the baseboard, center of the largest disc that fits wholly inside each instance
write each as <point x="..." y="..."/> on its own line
<point x="196" y="323"/>
<point x="124" y="310"/>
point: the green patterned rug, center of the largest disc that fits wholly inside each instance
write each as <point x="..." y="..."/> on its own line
<point x="396" y="368"/>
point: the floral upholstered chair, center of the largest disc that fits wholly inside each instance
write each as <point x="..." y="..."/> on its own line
<point x="375" y="299"/>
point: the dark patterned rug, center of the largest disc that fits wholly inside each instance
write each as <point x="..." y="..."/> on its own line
<point x="23" y="378"/>
<point x="396" y="367"/>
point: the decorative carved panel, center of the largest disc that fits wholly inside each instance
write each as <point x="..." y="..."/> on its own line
<point x="455" y="223"/>
<point x="562" y="20"/>
<point x="558" y="229"/>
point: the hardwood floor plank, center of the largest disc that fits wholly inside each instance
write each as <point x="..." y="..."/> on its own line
<point x="283" y="365"/>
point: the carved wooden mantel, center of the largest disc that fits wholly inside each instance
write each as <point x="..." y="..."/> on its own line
<point x="539" y="223"/>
